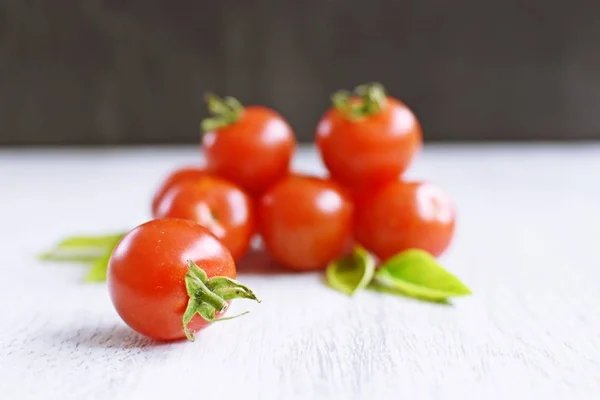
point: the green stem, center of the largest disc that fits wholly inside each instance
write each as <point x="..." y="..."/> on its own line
<point x="223" y="111"/>
<point x="371" y="100"/>
<point x="209" y="296"/>
<point x="203" y="294"/>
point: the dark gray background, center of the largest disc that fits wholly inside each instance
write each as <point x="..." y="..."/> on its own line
<point x="134" y="71"/>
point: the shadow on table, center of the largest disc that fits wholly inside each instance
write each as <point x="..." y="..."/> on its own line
<point x="258" y="262"/>
<point x="107" y="337"/>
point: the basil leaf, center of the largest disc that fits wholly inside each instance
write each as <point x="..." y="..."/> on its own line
<point x="416" y="273"/>
<point x="90" y="241"/>
<point x="98" y="269"/>
<point x="82" y="257"/>
<point x="351" y="273"/>
<point x="82" y="249"/>
<point x="92" y="250"/>
<point x="378" y="287"/>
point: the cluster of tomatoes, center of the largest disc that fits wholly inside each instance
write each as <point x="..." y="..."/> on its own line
<point x="366" y="141"/>
<point x="180" y="266"/>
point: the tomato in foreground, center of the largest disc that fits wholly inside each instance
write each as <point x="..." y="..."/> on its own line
<point x="249" y="146"/>
<point x="184" y="174"/>
<point x="168" y="278"/>
<point x="305" y="222"/>
<point x="405" y="215"/>
<point x="216" y="204"/>
<point x="368" y="140"/>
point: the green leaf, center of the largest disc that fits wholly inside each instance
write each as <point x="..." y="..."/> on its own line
<point x="90" y="241"/>
<point x="351" y="273"/>
<point x="98" y="270"/>
<point x="82" y="249"/>
<point x="83" y="257"/>
<point x="230" y="289"/>
<point x="192" y="308"/>
<point x="370" y="99"/>
<point x="223" y="112"/>
<point x="416" y="273"/>
<point x="195" y="273"/>
<point x="207" y="312"/>
<point x="195" y="284"/>
<point x="92" y="250"/>
<point x="378" y="287"/>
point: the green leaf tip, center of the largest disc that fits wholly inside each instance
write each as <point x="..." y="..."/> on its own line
<point x="416" y="273"/>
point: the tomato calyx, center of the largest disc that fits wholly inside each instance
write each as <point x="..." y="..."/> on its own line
<point x="367" y="99"/>
<point x="209" y="296"/>
<point x="224" y="111"/>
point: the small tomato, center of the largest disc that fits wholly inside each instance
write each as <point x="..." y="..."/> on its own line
<point x="170" y="277"/>
<point x="218" y="205"/>
<point x="305" y="222"/>
<point x="249" y="146"/>
<point x="368" y="140"/>
<point x="180" y="175"/>
<point x="405" y="215"/>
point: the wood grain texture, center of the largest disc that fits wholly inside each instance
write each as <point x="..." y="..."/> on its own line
<point x="134" y="71"/>
<point x="526" y="244"/>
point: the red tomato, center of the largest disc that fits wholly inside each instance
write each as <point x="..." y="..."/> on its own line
<point x="147" y="275"/>
<point x="216" y="204"/>
<point x="250" y="146"/>
<point x="405" y="215"/>
<point x="177" y="176"/>
<point x="370" y="146"/>
<point x="305" y="222"/>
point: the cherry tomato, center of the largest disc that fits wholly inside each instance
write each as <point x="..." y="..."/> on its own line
<point x="148" y="273"/>
<point x="177" y="176"/>
<point x="405" y="215"/>
<point x="305" y="222"/>
<point x="251" y="147"/>
<point x="369" y="140"/>
<point x="216" y="204"/>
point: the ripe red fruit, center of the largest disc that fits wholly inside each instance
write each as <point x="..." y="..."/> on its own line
<point x="216" y="204"/>
<point x="180" y="175"/>
<point x="170" y="277"/>
<point x="249" y="146"/>
<point x="405" y="215"/>
<point x="368" y="140"/>
<point x="305" y="222"/>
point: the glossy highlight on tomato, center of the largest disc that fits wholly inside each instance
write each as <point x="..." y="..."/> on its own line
<point x="405" y="215"/>
<point x="216" y="204"/>
<point x="305" y="222"/>
<point x="250" y="146"/>
<point x="146" y="275"/>
<point x="368" y="141"/>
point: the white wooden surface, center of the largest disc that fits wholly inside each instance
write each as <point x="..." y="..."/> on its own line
<point x="527" y="244"/>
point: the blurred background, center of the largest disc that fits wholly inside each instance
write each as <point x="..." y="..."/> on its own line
<point x="105" y="72"/>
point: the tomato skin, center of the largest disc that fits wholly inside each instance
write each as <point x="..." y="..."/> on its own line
<point x="218" y="205"/>
<point x="180" y="175"/>
<point x="305" y="222"/>
<point x="254" y="152"/>
<point x="146" y="274"/>
<point x="372" y="149"/>
<point x="404" y="215"/>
